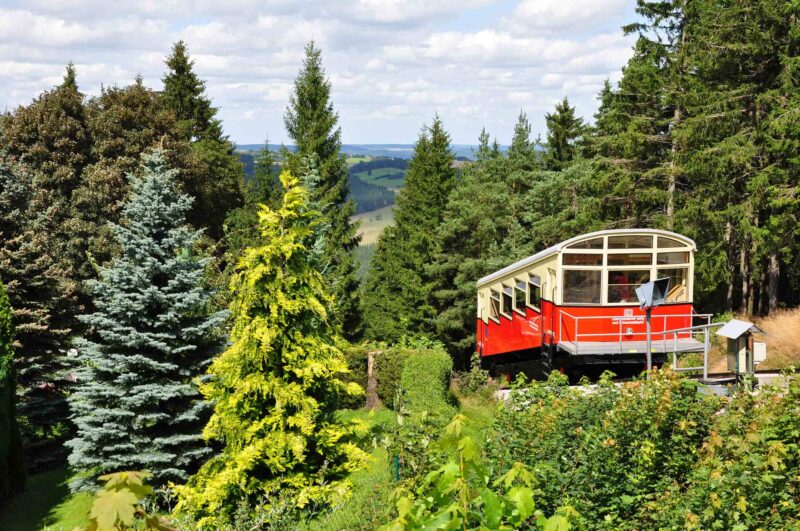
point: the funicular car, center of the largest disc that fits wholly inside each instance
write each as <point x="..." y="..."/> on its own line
<point x="573" y="305"/>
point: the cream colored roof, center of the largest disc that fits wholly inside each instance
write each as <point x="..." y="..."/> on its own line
<point x="559" y="246"/>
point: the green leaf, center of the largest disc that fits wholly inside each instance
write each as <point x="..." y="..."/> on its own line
<point x="492" y="508"/>
<point x="113" y="505"/>
<point x="556" y="523"/>
<point x="522" y="499"/>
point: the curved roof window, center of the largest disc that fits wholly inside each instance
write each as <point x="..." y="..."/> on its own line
<point x="592" y="243"/>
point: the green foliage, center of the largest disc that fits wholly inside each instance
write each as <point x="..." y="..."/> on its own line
<point x="475" y="381"/>
<point x="312" y="124"/>
<point x="747" y="471"/>
<point x="117" y="506"/>
<point x="12" y="463"/>
<point x="152" y="334"/>
<point x="388" y="368"/>
<point x="276" y="388"/>
<point x="356" y="358"/>
<point x="397" y="298"/>
<point x="607" y="452"/>
<point x="460" y="494"/>
<point x="564" y="135"/>
<point x="425" y="382"/>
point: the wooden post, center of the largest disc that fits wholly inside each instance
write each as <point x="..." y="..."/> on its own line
<point x="373" y="402"/>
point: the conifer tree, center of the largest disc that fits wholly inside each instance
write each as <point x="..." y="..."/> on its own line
<point x="276" y="388"/>
<point x="397" y="298"/>
<point x="312" y="124"/>
<point x="43" y="298"/>
<point x="564" y="135"/>
<point x="12" y="463"/>
<point x="135" y="405"/>
<point x="216" y="181"/>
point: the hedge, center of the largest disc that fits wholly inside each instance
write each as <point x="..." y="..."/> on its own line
<point x="425" y="382"/>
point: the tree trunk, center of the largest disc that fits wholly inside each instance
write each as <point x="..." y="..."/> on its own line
<point x="373" y="402"/>
<point x="671" y="178"/>
<point x="730" y="265"/>
<point x="773" y="280"/>
<point x="744" y="272"/>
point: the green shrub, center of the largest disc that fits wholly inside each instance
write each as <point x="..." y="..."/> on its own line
<point x="606" y="452"/>
<point x="748" y="472"/>
<point x="356" y="358"/>
<point x="388" y="368"/>
<point x="425" y="382"/>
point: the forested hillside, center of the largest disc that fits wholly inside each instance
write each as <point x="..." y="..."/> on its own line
<point x="190" y="342"/>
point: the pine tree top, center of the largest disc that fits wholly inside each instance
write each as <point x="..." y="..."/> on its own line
<point x="184" y="93"/>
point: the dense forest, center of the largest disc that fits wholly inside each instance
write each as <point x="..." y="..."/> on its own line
<point x="167" y="323"/>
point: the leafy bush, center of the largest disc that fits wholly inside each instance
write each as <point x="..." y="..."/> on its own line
<point x="475" y="381"/>
<point x="388" y="368"/>
<point x="606" y="452"/>
<point x="356" y="358"/>
<point x="748" y="472"/>
<point x="118" y="505"/>
<point x="459" y="494"/>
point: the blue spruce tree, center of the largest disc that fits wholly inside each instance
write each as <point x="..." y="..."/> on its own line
<point x="136" y="406"/>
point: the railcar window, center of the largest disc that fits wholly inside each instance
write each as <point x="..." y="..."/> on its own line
<point x="633" y="259"/>
<point x="673" y="258"/>
<point x="581" y="287"/>
<point x="666" y="243"/>
<point x="583" y="259"/>
<point x="519" y="296"/>
<point x="494" y="307"/>
<point x="622" y="284"/>
<point x="508" y="301"/>
<point x="534" y="291"/>
<point x="632" y="241"/>
<point x="594" y="243"/>
<point x="678" y="283"/>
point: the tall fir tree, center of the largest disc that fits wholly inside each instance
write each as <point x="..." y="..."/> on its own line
<point x="277" y="387"/>
<point x="12" y="462"/>
<point x="135" y="405"/>
<point x="740" y="110"/>
<point x="43" y="298"/>
<point x="564" y="135"/>
<point x="312" y="124"/>
<point x="397" y="295"/>
<point x="217" y="177"/>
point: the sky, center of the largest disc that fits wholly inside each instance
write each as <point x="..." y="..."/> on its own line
<point x="393" y="63"/>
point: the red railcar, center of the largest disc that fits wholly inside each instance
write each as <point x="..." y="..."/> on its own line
<point x="574" y="305"/>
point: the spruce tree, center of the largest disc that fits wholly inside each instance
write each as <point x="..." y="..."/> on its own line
<point x="43" y="298"/>
<point x="564" y="136"/>
<point x="312" y="124"/>
<point x="135" y="405"/>
<point x="277" y="387"/>
<point x="216" y="173"/>
<point x="12" y="463"/>
<point x="397" y="297"/>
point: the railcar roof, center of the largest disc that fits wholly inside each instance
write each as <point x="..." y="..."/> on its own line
<point x="559" y="246"/>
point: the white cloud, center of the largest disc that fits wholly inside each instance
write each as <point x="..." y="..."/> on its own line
<point x="393" y="63"/>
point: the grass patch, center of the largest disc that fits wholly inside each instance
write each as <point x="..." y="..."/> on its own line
<point x="355" y="160"/>
<point x="387" y="177"/>
<point x="46" y="504"/>
<point x="373" y="223"/>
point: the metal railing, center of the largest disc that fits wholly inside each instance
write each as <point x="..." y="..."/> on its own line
<point x="664" y="334"/>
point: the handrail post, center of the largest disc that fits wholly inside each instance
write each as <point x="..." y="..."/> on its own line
<point x="619" y="337"/>
<point x="577" y="341"/>
<point x="706" y="348"/>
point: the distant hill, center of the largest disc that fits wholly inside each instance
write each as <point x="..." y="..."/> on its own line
<point x="403" y="151"/>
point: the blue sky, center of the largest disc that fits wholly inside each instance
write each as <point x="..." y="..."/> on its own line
<point x="393" y="63"/>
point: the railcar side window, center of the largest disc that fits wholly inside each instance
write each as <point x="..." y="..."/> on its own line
<point x="593" y="243"/>
<point x="519" y="296"/>
<point x="534" y="291"/>
<point x="673" y="258"/>
<point x="633" y="259"/>
<point x="678" y="283"/>
<point x="583" y="259"/>
<point x="581" y="287"/>
<point x="508" y="301"/>
<point x="631" y="241"/>
<point x="494" y="306"/>
<point x="622" y="284"/>
<point x="665" y="243"/>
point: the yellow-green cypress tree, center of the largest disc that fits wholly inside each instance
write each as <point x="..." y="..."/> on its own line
<point x="277" y="386"/>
